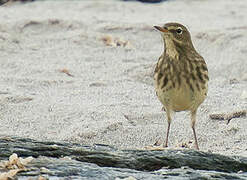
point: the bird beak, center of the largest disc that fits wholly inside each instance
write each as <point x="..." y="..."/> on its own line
<point x="162" y="29"/>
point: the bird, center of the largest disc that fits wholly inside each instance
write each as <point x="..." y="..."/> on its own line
<point x="180" y="76"/>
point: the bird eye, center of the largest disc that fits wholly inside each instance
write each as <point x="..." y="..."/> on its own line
<point x="179" y="31"/>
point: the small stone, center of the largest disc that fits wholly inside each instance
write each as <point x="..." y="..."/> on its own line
<point x="108" y="40"/>
<point x="234" y="81"/>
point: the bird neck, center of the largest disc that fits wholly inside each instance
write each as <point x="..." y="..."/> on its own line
<point x="175" y="50"/>
<point x="170" y="49"/>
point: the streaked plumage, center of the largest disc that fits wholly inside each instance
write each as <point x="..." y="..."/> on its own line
<point x="181" y="74"/>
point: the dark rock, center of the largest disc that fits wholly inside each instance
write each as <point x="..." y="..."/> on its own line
<point x="78" y="170"/>
<point x="105" y="162"/>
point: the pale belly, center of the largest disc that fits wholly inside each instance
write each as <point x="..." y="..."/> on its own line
<point x="181" y="99"/>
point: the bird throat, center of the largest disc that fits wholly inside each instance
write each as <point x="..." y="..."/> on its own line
<point x="170" y="48"/>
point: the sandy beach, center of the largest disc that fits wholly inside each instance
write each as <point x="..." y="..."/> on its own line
<point x="82" y="71"/>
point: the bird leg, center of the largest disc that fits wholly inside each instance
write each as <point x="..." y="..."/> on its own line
<point x="193" y="121"/>
<point x="168" y="127"/>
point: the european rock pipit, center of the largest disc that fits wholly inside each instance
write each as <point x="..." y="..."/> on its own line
<point x="181" y="75"/>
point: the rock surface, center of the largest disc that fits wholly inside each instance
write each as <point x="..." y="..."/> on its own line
<point x="57" y="159"/>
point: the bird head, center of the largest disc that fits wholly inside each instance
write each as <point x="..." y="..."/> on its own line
<point x="175" y="33"/>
